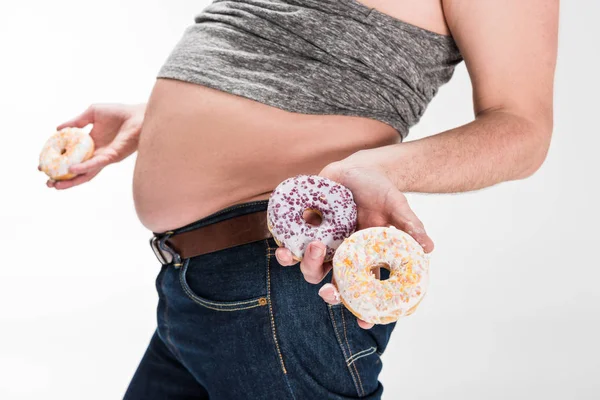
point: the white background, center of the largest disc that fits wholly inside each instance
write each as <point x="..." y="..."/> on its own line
<point x="513" y="311"/>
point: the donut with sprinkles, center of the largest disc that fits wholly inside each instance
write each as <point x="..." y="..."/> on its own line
<point x="369" y="298"/>
<point x="64" y="148"/>
<point x="330" y="200"/>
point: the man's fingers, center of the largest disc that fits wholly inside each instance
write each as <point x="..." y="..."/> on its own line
<point x="85" y="118"/>
<point x="405" y="219"/>
<point x="97" y="162"/>
<point x="312" y="263"/>
<point x="312" y="266"/>
<point x="78" y="180"/>
<point x="417" y="231"/>
<point x="330" y="294"/>
<point x="284" y="257"/>
<point x="365" y="325"/>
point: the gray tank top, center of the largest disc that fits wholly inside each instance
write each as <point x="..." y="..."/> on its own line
<point x="316" y="57"/>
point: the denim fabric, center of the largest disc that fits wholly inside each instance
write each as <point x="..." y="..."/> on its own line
<point x="235" y="324"/>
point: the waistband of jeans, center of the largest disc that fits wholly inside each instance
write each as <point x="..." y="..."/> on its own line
<point x="221" y="215"/>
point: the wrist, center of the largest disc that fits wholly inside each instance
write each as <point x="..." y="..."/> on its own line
<point x="370" y="159"/>
<point x="396" y="162"/>
<point x="139" y="108"/>
<point x="137" y="114"/>
<point x="137" y="111"/>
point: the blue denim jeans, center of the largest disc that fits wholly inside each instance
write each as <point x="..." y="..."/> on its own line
<point x="235" y="324"/>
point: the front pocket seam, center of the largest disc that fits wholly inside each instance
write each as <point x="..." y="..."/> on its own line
<point x="271" y="315"/>
<point x="362" y="390"/>
<point x="225" y="306"/>
<point x="341" y="344"/>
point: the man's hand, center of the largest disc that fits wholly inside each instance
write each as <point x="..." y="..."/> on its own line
<point x="379" y="203"/>
<point x="116" y="130"/>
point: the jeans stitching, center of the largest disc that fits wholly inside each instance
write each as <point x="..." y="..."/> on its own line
<point x="362" y="390"/>
<point x="339" y="338"/>
<point x="361" y="354"/>
<point x="212" y="305"/>
<point x="273" y="329"/>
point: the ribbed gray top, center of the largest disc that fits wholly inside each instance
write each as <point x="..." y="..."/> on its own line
<point x="316" y="57"/>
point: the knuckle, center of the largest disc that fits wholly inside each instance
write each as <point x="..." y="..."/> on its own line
<point x="333" y="171"/>
<point x="111" y="157"/>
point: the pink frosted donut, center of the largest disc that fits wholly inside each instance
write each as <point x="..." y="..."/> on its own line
<point x="381" y="301"/>
<point x="332" y="201"/>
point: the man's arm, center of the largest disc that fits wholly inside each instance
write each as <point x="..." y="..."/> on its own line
<point x="509" y="48"/>
<point x="510" y="51"/>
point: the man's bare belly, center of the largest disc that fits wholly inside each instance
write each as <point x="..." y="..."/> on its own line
<point x="203" y="149"/>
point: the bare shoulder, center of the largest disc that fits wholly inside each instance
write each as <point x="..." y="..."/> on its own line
<point x="510" y="50"/>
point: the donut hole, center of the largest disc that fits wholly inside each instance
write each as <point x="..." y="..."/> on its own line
<point x="381" y="271"/>
<point x="312" y="217"/>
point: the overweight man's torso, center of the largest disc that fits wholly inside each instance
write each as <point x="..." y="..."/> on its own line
<point x="202" y="149"/>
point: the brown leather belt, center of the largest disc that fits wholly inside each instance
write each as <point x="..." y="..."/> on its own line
<point x="218" y="236"/>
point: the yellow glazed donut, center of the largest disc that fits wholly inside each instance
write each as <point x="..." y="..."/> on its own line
<point x="66" y="147"/>
<point x="381" y="301"/>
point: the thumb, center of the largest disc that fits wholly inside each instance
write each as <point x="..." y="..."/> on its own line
<point x="404" y="218"/>
<point x="85" y="118"/>
<point x="330" y="294"/>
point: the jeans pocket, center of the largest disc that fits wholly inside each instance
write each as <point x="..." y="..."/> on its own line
<point x="361" y="348"/>
<point x="228" y="280"/>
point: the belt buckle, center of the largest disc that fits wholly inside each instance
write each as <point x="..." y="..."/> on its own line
<point x="163" y="253"/>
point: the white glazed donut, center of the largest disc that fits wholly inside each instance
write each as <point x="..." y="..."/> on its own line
<point x="381" y="301"/>
<point x="66" y="147"/>
<point x="332" y="201"/>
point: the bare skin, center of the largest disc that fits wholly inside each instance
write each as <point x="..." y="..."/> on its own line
<point x="201" y="150"/>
